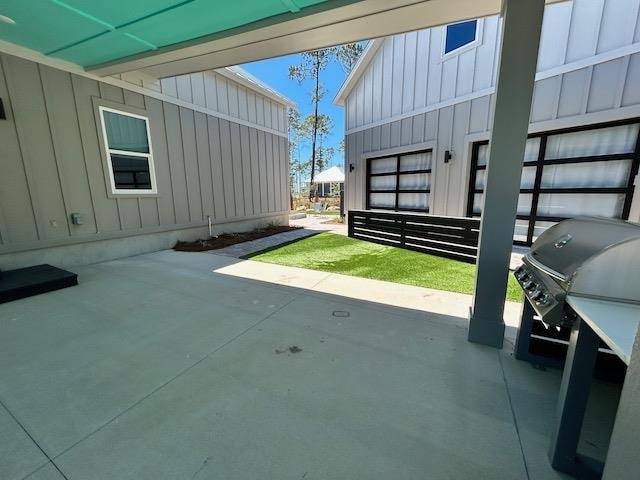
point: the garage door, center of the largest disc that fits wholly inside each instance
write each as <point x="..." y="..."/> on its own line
<point x="568" y="173"/>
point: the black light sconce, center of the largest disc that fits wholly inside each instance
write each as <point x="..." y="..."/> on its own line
<point x="351" y="167"/>
<point x="3" y="115"/>
<point x="447" y="156"/>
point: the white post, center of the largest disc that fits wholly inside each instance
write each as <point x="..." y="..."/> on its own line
<point x="522" y="22"/>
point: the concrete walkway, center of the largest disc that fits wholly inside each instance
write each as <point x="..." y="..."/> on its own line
<point x="311" y="225"/>
<point x="380" y="292"/>
<point x="178" y="365"/>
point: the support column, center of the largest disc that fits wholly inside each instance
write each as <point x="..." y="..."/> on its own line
<point x="522" y="22"/>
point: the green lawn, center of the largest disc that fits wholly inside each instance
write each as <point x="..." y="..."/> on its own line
<point x="334" y="253"/>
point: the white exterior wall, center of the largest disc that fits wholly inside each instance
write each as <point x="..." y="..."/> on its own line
<point x="587" y="73"/>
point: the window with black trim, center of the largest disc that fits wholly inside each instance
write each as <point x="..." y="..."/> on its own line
<point x="129" y="154"/>
<point x="585" y="171"/>
<point x="399" y="182"/>
<point x="458" y="35"/>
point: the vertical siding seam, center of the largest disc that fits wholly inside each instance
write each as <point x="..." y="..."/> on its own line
<point x="210" y="157"/>
<point x="24" y="162"/>
<point x="497" y="52"/>
<point x="599" y="30"/>
<point x="140" y="212"/>
<point x="233" y="174"/>
<point x="587" y="91"/>
<point x="195" y="139"/>
<point x="557" y="97"/>
<point x="261" y="148"/>
<point x="119" y="213"/>
<point x="224" y="192"/>
<point x="635" y="25"/>
<point x="242" y="156"/>
<point x="54" y="152"/>
<point x="455" y="80"/>
<point x="475" y="62"/>
<point x="184" y="164"/>
<point x="415" y="77"/>
<point x="623" y="82"/>
<point x="381" y="50"/>
<point x="166" y="138"/>
<point x="569" y="32"/>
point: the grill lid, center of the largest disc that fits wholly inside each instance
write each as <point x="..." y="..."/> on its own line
<point x="563" y="248"/>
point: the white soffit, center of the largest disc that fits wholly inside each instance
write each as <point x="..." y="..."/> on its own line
<point x="347" y="23"/>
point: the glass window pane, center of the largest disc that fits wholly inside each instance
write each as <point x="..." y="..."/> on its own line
<point x="386" y="182"/>
<point x="417" y="201"/>
<point x="126" y="133"/>
<point x="483" y="154"/>
<point x="524" y="204"/>
<point x="477" y="202"/>
<point x="530" y="151"/>
<point x="131" y="172"/>
<point x="414" y="181"/>
<point x="383" y="165"/>
<point x="599" y="141"/>
<point x="574" y="204"/>
<point x="415" y="161"/>
<point x="382" y="200"/>
<point x="588" y="174"/>
<point x="520" y="231"/>
<point x="528" y="178"/>
<point x="459" y="34"/>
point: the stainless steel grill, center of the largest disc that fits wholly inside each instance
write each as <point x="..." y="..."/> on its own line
<point x="586" y="257"/>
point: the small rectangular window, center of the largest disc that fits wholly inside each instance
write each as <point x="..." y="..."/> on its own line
<point x="458" y="35"/>
<point x="129" y="155"/>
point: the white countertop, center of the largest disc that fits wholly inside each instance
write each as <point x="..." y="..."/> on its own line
<point x="616" y="323"/>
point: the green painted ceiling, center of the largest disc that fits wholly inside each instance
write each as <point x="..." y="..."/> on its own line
<point x="90" y="32"/>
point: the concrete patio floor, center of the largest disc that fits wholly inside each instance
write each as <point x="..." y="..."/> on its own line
<point x="167" y="366"/>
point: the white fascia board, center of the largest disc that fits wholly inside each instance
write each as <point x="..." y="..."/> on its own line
<point x="361" y="65"/>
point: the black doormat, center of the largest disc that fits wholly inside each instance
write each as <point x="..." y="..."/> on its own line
<point x="29" y="281"/>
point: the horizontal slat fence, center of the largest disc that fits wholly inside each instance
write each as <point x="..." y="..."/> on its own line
<point x="449" y="237"/>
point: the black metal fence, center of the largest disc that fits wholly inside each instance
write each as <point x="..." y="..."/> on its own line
<point x="450" y="237"/>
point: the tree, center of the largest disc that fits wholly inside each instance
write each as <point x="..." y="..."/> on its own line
<point x="348" y="55"/>
<point x="312" y="64"/>
<point x="315" y="126"/>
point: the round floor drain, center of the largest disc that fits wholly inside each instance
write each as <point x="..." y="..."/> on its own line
<point x="341" y="313"/>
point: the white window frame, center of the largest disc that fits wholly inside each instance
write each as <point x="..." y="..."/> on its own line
<point x="149" y="156"/>
<point x="464" y="48"/>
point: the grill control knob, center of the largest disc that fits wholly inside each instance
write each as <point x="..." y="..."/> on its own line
<point x="537" y="295"/>
<point x="545" y="300"/>
<point x="529" y="285"/>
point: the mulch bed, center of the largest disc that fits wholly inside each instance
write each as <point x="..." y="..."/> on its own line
<point x="227" y="239"/>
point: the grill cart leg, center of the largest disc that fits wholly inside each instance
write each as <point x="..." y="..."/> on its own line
<point x="572" y="403"/>
<point x="523" y="339"/>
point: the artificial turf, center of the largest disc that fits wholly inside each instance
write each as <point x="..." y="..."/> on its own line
<point x="330" y="252"/>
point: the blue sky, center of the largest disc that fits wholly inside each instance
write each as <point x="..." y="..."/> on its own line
<point x="274" y="72"/>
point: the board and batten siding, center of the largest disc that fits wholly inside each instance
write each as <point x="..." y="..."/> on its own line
<point x="598" y="92"/>
<point x="409" y="75"/>
<point x="214" y="91"/>
<point x="52" y="163"/>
